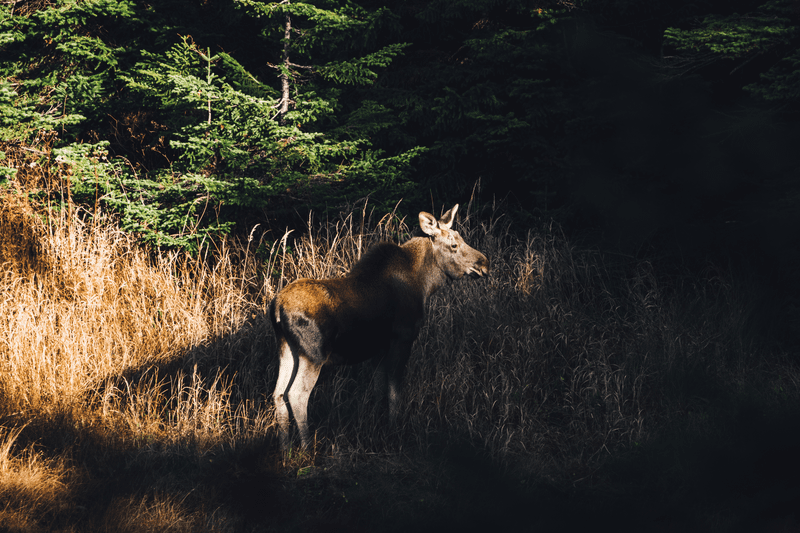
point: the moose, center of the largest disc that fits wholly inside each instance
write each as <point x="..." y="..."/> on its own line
<point x="376" y="310"/>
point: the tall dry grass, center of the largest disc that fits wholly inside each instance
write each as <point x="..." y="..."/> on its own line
<point x="114" y="355"/>
<point x="31" y="486"/>
<point x="83" y="306"/>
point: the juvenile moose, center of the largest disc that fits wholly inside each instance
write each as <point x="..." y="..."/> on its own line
<point x="375" y="310"/>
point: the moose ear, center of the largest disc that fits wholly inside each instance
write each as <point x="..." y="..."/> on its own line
<point x="447" y="219"/>
<point x="428" y="224"/>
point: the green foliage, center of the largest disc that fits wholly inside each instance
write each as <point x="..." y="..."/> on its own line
<point x="20" y="116"/>
<point x="743" y="37"/>
<point x="6" y="172"/>
<point x="336" y="29"/>
<point x="81" y="68"/>
<point x="208" y="119"/>
<point x="358" y="71"/>
<point x="164" y="210"/>
<point x="781" y="82"/>
<point x="64" y="63"/>
<point x="736" y="36"/>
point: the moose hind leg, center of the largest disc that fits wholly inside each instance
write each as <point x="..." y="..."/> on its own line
<point x="299" y="391"/>
<point x="287" y="371"/>
<point x="379" y="379"/>
<point x="398" y="358"/>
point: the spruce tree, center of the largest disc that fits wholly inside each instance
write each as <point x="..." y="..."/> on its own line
<point x="243" y="125"/>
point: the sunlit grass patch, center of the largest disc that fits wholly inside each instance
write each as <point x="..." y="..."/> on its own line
<point x="32" y="487"/>
<point x="88" y="304"/>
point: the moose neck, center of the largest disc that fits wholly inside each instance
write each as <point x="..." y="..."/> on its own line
<point x="429" y="276"/>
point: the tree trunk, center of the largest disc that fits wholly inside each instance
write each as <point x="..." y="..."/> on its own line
<point x="284" y="75"/>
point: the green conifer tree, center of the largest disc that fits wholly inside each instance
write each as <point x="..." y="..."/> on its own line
<point x="234" y="140"/>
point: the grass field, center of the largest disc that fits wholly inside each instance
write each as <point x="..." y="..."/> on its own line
<point x="569" y="390"/>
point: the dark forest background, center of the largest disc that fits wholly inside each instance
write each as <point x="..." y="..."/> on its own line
<point x="653" y="124"/>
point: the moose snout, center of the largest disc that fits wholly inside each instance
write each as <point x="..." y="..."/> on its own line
<point x="481" y="266"/>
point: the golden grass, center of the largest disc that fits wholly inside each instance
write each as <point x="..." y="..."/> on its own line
<point x="30" y="486"/>
<point x="82" y="303"/>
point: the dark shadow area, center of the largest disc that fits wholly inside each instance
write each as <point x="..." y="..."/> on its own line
<point x="736" y="473"/>
<point x="662" y="168"/>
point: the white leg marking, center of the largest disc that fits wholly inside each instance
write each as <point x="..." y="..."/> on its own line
<point x="299" y="392"/>
<point x="285" y="370"/>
